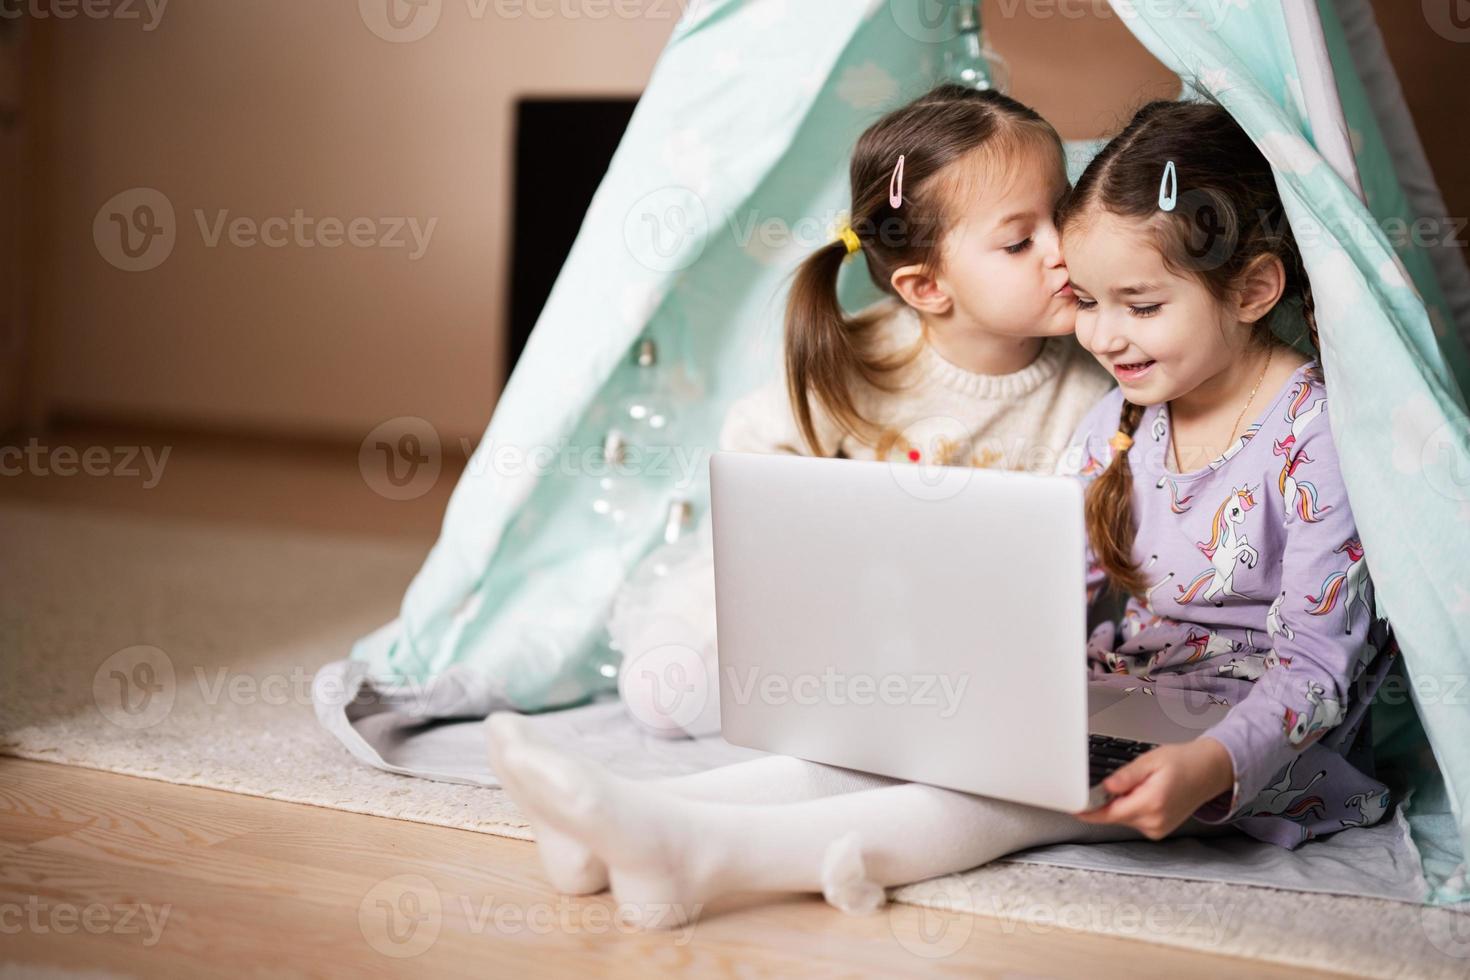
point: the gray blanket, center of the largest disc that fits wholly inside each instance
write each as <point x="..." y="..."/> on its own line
<point x="1376" y="862"/>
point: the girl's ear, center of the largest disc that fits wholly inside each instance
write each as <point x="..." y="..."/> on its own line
<point x="1260" y="287"/>
<point x="920" y="290"/>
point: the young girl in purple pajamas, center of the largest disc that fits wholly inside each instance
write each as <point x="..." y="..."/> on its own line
<point x="1235" y="547"/>
<point x="1214" y="501"/>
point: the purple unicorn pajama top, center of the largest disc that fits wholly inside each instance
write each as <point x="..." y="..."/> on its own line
<point x="1259" y="596"/>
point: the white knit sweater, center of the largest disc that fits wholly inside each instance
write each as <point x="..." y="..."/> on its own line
<point x="941" y="413"/>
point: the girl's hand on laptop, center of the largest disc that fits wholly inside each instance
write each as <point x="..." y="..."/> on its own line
<point x="1161" y="789"/>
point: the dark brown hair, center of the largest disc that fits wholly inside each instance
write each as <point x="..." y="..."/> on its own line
<point x="826" y="350"/>
<point x="1227" y="216"/>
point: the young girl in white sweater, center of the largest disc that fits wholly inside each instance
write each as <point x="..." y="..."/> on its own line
<point x="969" y="362"/>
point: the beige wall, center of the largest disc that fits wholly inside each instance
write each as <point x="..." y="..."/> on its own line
<point x="260" y="108"/>
<point x="263" y="107"/>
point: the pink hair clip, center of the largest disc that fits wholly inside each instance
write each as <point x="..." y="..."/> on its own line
<point x="895" y="184"/>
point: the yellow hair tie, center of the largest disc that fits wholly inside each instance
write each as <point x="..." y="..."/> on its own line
<point x="850" y="237"/>
<point x="1121" y="441"/>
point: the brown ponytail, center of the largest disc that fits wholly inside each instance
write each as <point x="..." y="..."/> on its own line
<point x="1228" y="215"/>
<point x="1108" y="507"/>
<point x="825" y="350"/>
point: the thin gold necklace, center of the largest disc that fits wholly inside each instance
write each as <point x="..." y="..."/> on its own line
<point x="1173" y="443"/>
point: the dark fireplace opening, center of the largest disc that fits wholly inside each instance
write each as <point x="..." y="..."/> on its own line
<point x="562" y="150"/>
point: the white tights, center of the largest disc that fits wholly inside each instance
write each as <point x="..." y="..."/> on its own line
<point x="776" y="823"/>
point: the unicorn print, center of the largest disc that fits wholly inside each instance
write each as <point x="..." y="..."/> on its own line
<point x="1226" y="548"/>
<point x="1134" y="623"/>
<point x="1274" y="660"/>
<point x="1236" y="446"/>
<point x="1148" y="597"/>
<point x="1177" y="504"/>
<point x="1372" y="806"/>
<point x="1297" y="496"/>
<point x="1303" y="728"/>
<point x="1282" y="799"/>
<point x="1365" y="657"/>
<point x="1122" y="663"/>
<point x="1275" y="625"/>
<point x="1299" y="419"/>
<point x="1246" y="668"/>
<point x="1207" y="644"/>
<point x="1350" y="584"/>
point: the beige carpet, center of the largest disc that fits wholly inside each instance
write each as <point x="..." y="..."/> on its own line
<point x="244" y="618"/>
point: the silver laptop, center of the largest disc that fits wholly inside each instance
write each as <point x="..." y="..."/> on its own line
<point x="923" y="622"/>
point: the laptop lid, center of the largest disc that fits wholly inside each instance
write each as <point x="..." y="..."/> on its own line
<point x="922" y="622"/>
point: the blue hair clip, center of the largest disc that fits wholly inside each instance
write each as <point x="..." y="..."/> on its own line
<point x="1169" y="187"/>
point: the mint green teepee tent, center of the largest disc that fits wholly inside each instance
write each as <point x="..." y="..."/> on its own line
<point x="734" y="167"/>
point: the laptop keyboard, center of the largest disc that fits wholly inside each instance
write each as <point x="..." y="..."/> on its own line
<point x="1107" y="753"/>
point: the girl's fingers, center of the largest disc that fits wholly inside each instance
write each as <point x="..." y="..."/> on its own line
<point x="1135" y="809"/>
<point x="1129" y="776"/>
<point x="1128" y="799"/>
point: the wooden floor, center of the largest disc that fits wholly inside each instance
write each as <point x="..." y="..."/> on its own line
<point x="127" y="876"/>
